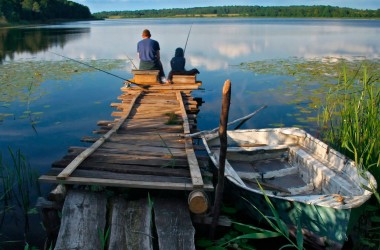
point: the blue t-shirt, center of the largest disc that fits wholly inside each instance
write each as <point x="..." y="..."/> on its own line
<point x="147" y="49"/>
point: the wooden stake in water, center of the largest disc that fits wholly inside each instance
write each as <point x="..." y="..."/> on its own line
<point x="223" y="150"/>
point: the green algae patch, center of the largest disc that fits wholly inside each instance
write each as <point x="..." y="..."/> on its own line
<point x="309" y="80"/>
<point x="20" y="81"/>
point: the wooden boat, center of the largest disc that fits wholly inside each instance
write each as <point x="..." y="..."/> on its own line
<point x="305" y="179"/>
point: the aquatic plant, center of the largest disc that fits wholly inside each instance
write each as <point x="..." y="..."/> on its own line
<point x="244" y="236"/>
<point x="351" y="118"/>
<point x="305" y="82"/>
<point x="18" y="185"/>
<point x="350" y="121"/>
<point x="103" y="236"/>
<point x="21" y="81"/>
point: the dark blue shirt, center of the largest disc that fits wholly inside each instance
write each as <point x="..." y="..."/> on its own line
<point x="147" y="49"/>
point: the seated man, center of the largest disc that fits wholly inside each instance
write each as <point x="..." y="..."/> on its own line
<point x="149" y="53"/>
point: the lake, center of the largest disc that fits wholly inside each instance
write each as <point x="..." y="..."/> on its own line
<point x="48" y="103"/>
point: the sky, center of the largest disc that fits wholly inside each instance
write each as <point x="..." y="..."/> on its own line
<point x="109" y="5"/>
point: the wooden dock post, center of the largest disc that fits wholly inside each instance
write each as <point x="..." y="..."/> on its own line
<point x="198" y="202"/>
<point x="223" y="150"/>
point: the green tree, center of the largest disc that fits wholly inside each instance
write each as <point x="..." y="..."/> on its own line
<point x="36" y="7"/>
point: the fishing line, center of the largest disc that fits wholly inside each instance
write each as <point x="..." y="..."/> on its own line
<point x="122" y="78"/>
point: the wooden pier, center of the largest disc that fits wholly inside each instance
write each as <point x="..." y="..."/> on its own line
<point x="144" y="148"/>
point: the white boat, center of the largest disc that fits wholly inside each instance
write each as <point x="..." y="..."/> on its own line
<point x="305" y="179"/>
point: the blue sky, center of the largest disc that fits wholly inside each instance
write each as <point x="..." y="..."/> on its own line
<point x="106" y="5"/>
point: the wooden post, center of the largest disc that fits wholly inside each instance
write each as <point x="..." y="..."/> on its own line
<point x="223" y="150"/>
<point x="198" y="202"/>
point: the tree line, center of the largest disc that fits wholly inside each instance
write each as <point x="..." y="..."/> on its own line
<point x="41" y="10"/>
<point x="247" y="11"/>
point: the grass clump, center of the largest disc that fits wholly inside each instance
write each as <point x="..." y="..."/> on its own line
<point x="18" y="185"/>
<point x="350" y="122"/>
<point x="350" y="119"/>
<point x="172" y="119"/>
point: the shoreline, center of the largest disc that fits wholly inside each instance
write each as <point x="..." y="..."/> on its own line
<point x="48" y="22"/>
<point x="57" y="21"/>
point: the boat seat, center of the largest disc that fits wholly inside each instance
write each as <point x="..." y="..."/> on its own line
<point x="258" y="148"/>
<point x="269" y="174"/>
<point x="323" y="177"/>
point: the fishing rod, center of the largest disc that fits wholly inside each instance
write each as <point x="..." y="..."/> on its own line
<point x="187" y="39"/>
<point x="88" y="65"/>
<point x="134" y="66"/>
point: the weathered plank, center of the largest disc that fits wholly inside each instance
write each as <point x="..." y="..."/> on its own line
<point x="169" y="87"/>
<point x="80" y="158"/>
<point x="128" y="158"/>
<point x="84" y="216"/>
<point x="173" y="223"/>
<point x="124" y="183"/>
<point x="145" y="76"/>
<point x="184" y="79"/>
<point x="130" y="226"/>
<point x="163" y="168"/>
<point x="195" y="172"/>
<point x="183" y="113"/>
<point x="144" y="146"/>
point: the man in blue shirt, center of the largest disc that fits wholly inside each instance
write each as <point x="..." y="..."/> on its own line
<point x="149" y="54"/>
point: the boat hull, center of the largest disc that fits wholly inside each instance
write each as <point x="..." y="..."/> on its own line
<point x="308" y="183"/>
<point x="322" y="226"/>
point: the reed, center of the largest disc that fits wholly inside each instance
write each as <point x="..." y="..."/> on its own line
<point x="103" y="237"/>
<point x="350" y="122"/>
<point x="350" y="119"/>
<point x="18" y="185"/>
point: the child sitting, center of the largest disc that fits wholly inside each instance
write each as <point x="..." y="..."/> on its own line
<point x="177" y="64"/>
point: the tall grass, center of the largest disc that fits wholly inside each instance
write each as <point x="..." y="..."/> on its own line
<point x="18" y="184"/>
<point x="351" y="118"/>
<point x="351" y="123"/>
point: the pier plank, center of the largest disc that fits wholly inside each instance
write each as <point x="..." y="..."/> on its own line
<point x="125" y="183"/>
<point x="71" y="167"/>
<point x="130" y="225"/>
<point x="84" y="216"/>
<point x="165" y="169"/>
<point x="139" y="144"/>
<point x="173" y="223"/>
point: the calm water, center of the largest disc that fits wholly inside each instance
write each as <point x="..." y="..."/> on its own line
<point x="69" y="108"/>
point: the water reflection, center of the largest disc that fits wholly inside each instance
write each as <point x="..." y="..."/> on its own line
<point x="34" y="40"/>
<point x="72" y="104"/>
<point x="216" y="43"/>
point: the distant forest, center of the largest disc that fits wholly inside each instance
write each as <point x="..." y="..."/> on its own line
<point x="41" y="10"/>
<point x="246" y="11"/>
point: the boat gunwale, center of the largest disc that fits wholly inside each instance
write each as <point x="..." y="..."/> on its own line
<point x="320" y="200"/>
